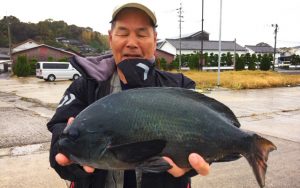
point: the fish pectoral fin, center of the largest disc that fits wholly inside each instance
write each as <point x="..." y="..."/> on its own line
<point x="138" y="151"/>
<point x="229" y="158"/>
<point x="154" y="165"/>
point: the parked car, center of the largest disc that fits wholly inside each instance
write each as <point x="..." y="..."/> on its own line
<point x="50" y="71"/>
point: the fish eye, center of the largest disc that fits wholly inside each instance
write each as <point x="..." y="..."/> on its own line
<point x="73" y="134"/>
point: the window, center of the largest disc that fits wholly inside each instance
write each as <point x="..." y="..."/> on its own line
<point x="55" y="66"/>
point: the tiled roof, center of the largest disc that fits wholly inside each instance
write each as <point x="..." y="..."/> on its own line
<point x="207" y="45"/>
<point x="261" y="49"/>
<point x="58" y="49"/>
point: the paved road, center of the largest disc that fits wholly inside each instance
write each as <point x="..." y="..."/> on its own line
<point x="25" y="107"/>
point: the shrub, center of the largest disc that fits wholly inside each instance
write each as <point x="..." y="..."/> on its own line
<point x="265" y="63"/>
<point x="240" y="63"/>
<point x="32" y="65"/>
<point x="163" y="64"/>
<point x="51" y="59"/>
<point x="65" y="59"/>
<point x="21" y="67"/>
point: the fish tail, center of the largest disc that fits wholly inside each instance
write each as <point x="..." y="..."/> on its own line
<point x="258" y="157"/>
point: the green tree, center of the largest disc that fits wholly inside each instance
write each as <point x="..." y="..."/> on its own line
<point x="32" y="65"/>
<point x="240" y="63"/>
<point x="50" y="59"/>
<point x="229" y="60"/>
<point x="206" y="59"/>
<point x="265" y="63"/>
<point x="223" y="59"/>
<point x="163" y="64"/>
<point x="193" y="61"/>
<point x="295" y="59"/>
<point x="21" y="67"/>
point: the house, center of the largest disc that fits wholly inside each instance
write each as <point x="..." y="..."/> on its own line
<point x="260" y="48"/>
<point x="27" y="44"/>
<point x="4" y="57"/>
<point x="42" y="52"/>
<point x="4" y="60"/>
<point x="162" y="54"/>
<point x="4" y="54"/>
<point x="192" y="44"/>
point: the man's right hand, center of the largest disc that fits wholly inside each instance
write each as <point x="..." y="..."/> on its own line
<point x="62" y="160"/>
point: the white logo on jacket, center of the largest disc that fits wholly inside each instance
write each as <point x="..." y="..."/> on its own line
<point x="67" y="100"/>
<point x="146" y="68"/>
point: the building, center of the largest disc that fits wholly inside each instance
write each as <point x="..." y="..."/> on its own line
<point x="162" y="54"/>
<point x="260" y="48"/>
<point x="42" y="52"/>
<point x="24" y="45"/>
<point x="192" y="44"/>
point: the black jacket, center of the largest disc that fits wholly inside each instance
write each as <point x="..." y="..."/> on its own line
<point x="94" y="84"/>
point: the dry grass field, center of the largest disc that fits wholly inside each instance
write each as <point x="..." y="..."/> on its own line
<point x="243" y="79"/>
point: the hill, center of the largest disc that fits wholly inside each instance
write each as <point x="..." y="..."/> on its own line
<point x="55" y="33"/>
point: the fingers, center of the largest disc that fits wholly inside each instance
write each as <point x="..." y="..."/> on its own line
<point x="199" y="164"/>
<point x="70" y="120"/>
<point x="196" y="161"/>
<point x="88" y="169"/>
<point x="175" y="170"/>
<point x="62" y="160"/>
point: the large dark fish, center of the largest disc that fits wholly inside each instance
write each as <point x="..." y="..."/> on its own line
<point x="134" y="128"/>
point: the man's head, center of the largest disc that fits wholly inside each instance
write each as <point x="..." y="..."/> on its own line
<point x="133" y="33"/>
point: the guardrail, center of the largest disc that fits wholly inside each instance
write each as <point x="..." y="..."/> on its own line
<point x="216" y="68"/>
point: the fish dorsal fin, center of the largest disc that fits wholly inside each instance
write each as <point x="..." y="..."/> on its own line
<point x="138" y="151"/>
<point x="217" y="106"/>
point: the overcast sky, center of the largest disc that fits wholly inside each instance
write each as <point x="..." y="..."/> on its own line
<point x="249" y="21"/>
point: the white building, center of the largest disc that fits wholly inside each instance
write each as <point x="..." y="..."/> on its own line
<point x="192" y="44"/>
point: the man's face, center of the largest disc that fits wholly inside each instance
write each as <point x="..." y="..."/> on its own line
<point x="132" y="36"/>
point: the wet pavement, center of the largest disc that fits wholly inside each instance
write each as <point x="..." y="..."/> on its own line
<point x="27" y="104"/>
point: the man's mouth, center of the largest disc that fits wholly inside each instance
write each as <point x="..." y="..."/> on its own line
<point x="131" y="56"/>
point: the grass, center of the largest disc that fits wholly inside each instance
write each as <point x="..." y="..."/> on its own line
<point x="243" y="79"/>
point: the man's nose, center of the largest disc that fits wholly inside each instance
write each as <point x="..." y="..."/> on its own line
<point x="132" y="42"/>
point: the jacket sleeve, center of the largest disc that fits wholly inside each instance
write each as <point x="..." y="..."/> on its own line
<point x="187" y="82"/>
<point x="73" y="102"/>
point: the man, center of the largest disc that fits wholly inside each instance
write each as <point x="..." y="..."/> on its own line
<point x="133" y="42"/>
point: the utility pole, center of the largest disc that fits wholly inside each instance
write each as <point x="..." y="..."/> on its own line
<point x="9" y="36"/>
<point x="234" y="60"/>
<point x="201" y="53"/>
<point x="180" y="11"/>
<point x="220" y="31"/>
<point x="275" y="39"/>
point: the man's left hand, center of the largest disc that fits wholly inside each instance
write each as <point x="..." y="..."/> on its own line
<point x="196" y="161"/>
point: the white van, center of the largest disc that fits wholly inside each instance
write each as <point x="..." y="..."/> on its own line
<point x="50" y="71"/>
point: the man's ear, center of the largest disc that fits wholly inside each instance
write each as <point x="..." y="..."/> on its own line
<point x="155" y="40"/>
<point x="155" y="37"/>
<point x="110" y="37"/>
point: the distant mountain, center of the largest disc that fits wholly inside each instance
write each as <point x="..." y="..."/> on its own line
<point x="54" y="33"/>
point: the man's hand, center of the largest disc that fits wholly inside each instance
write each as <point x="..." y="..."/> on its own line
<point x="62" y="160"/>
<point x="196" y="161"/>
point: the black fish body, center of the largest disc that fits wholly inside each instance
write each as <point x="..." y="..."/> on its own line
<point x="134" y="128"/>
